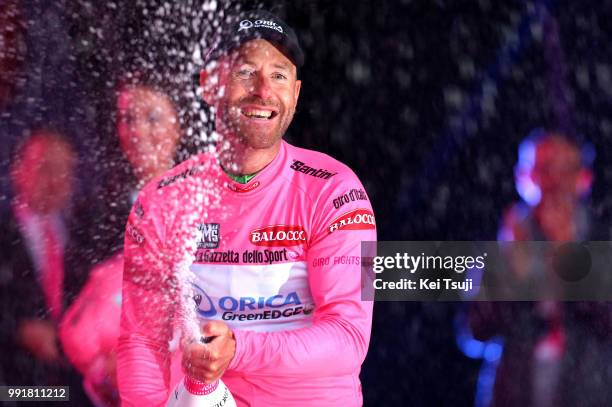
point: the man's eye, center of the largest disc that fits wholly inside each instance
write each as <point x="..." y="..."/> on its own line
<point x="279" y="76"/>
<point x="244" y="73"/>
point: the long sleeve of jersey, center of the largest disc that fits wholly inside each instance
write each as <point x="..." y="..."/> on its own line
<point x="337" y="341"/>
<point x="147" y="311"/>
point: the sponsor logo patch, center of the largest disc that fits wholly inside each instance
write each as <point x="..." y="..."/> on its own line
<point x="247" y="24"/>
<point x="344" y="260"/>
<point x="210" y="235"/>
<point x="265" y="256"/>
<point x="354" y="220"/>
<point x="182" y="175"/>
<point x="210" y="256"/>
<point x="245" y="308"/>
<point x="299" y="166"/>
<point x="278" y="235"/>
<point x="350" y="196"/>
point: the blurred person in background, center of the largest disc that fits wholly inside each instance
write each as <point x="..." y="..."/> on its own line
<point x="555" y="353"/>
<point x="42" y="261"/>
<point x="12" y="49"/>
<point x="40" y="87"/>
<point x="148" y="133"/>
<point x="554" y="178"/>
<point x="12" y="56"/>
<point x="142" y="143"/>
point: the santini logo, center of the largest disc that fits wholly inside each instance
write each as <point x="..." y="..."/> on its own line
<point x="315" y="172"/>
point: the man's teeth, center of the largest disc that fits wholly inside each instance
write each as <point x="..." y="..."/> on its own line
<point x="260" y="114"/>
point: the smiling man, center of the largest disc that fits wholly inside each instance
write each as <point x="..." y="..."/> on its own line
<point x="256" y="248"/>
<point x="255" y="102"/>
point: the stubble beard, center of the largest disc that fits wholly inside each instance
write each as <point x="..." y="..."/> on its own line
<point x="234" y="130"/>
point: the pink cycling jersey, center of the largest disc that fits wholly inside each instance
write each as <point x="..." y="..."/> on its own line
<point x="277" y="259"/>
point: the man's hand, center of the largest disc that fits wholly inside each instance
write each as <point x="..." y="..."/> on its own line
<point x="207" y="362"/>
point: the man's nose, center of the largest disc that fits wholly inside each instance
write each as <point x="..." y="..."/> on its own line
<point x="261" y="87"/>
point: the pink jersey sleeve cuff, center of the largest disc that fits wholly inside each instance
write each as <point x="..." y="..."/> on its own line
<point x="237" y="355"/>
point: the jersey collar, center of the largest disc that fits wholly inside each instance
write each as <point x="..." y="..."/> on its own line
<point x="263" y="178"/>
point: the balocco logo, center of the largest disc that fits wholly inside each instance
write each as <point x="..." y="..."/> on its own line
<point x="278" y="235"/>
<point x="354" y="220"/>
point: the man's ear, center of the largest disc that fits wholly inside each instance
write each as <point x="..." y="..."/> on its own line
<point x="298" y="86"/>
<point x="209" y="81"/>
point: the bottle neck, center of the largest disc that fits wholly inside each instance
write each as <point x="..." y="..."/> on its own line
<point x="198" y="388"/>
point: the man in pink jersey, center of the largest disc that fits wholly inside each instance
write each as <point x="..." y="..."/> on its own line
<point x="257" y="248"/>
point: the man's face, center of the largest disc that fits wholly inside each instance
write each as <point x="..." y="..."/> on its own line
<point x="556" y="169"/>
<point x="258" y="94"/>
<point x="43" y="174"/>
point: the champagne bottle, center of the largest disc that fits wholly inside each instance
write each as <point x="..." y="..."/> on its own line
<point x="194" y="393"/>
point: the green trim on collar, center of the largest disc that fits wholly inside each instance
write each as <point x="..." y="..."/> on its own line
<point x="241" y="179"/>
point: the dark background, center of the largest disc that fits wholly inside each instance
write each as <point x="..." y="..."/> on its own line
<point x="426" y="100"/>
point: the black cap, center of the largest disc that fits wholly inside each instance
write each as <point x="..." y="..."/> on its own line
<point x="257" y="24"/>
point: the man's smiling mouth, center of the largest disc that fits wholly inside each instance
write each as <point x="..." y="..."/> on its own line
<point x="258" y="113"/>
